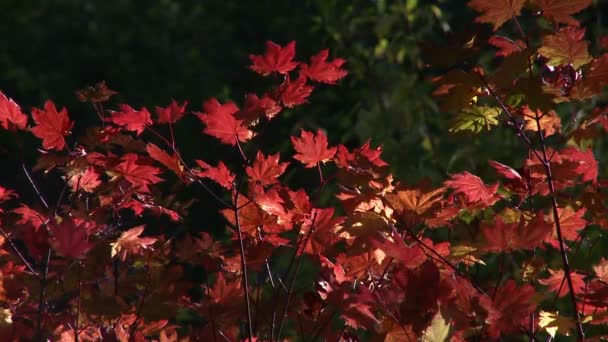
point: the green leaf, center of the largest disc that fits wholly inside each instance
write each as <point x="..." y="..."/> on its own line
<point x="475" y="119"/>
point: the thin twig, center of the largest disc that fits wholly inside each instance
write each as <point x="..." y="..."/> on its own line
<point x="243" y="262"/>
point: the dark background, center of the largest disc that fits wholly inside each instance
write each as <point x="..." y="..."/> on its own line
<point x="153" y="51"/>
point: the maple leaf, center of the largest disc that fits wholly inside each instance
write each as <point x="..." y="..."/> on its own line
<point x="514" y="304"/>
<point x="137" y="173"/>
<point x="506" y="46"/>
<point x="52" y="126"/>
<point x="7" y="194"/>
<point x="255" y="108"/>
<point x="130" y="243"/>
<point x="221" y="123"/>
<point x="266" y="170"/>
<point x="601" y="270"/>
<point x="324" y="226"/>
<point x="219" y="174"/>
<point x="566" y="47"/>
<point x="496" y="12"/>
<point x="131" y="119"/>
<point x="86" y="180"/>
<point x="11" y="116"/>
<point x="275" y="59"/>
<point x="171" y="162"/>
<point x="70" y="238"/>
<point x="172" y="113"/>
<point x="557" y="282"/>
<point x="473" y="188"/>
<point x="502" y="236"/>
<point x="293" y="93"/>
<point x="570" y="222"/>
<point x="554" y="323"/>
<point x="411" y="257"/>
<point x="586" y="164"/>
<point x="475" y="119"/>
<point x="560" y="11"/>
<point x="31" y="216"/>
<point x="312" y="148"/>
<point x="96" y="93"/>
<point x="320" y="70"/>
<point x="223" y="290"/>
<point x="550" y="123"/>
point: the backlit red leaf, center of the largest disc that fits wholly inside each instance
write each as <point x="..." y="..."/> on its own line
<point x="219" y="174"/>
<point x="312" y="148"/>
<point x="87" y="181"/>
<point x="557" y="282"/>
<point x="130" y="243"/>
<point x="140" y="175"/>
<point x="560" y="11"/>
<point x="171" y="162"/>
<point x="221" y="123"/>
<point x="496" y="12"/>
<point x="11" y="116"/>
<point x="320" y="70"/>
<point x="131" y="119"/>
<point x="266" y="170"/>
<point x="293" y="93"/>
<point x="472" y="188"/>
<point x="70" y="239"/>
<point x="275" y="59"/>
<point x="51" y="126"/>
<point x="172" y="113"/>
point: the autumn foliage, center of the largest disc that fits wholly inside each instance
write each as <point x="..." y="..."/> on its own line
<point x="109" y="257"/>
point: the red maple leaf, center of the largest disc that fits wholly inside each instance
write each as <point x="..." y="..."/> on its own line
<point x="266" y="170"/>
<point x="570" y="223"/>
<point x="171" y="162"/>
<point x="560" y="11"/>
<point x="514" y="304"/>
<point x="221" y="123"/>
<point x="506" y="46"/>
<point x="52" y="126"/>
<point x="256" y="107"/>
<point x="323" y="223"/>
<point x="503" y="236"/>
<point x="320" y="70"/>
<point x="411" y="256"/>
<point x="223" y="290"/>
<point x="496" y="12"/>
<point x="137" y="173"/>
<point x="11" y="116"/>
<point x="293" y="93"/>
<point x="312" y="149"/>
<point x="473" y="188"/>
<point x="275" y="59"/>
<point x="557" y="282"/>
<point x="219" y="174"/>
<point x="86" y="181"/>
<point x="70" y="238"/>
<point x="131" y="119"/>
<point x="130" y="243"/>
<point x="7" y="194"/>
<point x="172" y="113"/>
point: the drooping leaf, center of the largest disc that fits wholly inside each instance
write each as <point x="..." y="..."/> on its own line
<point x="219" y="174"/>
<point x="275" y="59"/>
<point x="496" y="12"/>
<point x="256" y="107"/>
<point x="472" y="188"/>
<point x="11" y="116"/>
<point x="320" y="70"/>
<point x="476" y="119"/>
<point x="96" y="93"/>
<point x="131" y="119"/>
<point x="506" y="46"/>
<point x="221" y="123"/>
<point x="566" y="47"/>
<point x="312" y="148"/>
<point x="51" y="126"/>
<point x="171" y="162"/>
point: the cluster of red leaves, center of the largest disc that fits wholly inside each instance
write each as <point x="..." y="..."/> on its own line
<point x="113" y="260"/>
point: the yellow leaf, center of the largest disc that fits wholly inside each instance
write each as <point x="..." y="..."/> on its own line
<point x="554" y="323"/>
<point x="438" y="331"/>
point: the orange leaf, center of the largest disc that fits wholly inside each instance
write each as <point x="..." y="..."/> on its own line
<point x="496" y="12"/>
